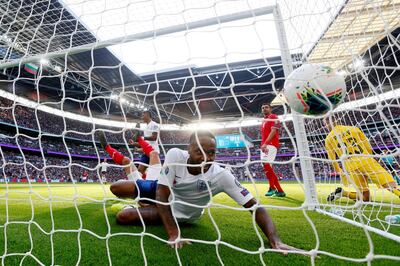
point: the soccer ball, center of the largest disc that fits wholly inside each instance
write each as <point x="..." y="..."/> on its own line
<point x="313" y="89"/>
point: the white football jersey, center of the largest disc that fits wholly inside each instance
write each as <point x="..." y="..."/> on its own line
<point x="103" y="167"/>
<point x="148" y="132"/>
<point x="195" y="189"/>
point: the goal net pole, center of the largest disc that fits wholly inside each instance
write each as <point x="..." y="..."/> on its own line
<point x="307" y="170"/>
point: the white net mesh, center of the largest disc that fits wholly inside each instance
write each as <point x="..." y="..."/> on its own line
<point x="72" y="69"/>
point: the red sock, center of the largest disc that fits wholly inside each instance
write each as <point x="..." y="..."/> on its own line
<point x="115" y="155"/>
<point x="145" y="146"/>
<point x="273" y="179"/>
<point x="270" y="181"/>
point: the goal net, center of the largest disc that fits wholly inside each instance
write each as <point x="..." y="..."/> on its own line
<point x="360" y="43"/>
<point x="71" y="69"/>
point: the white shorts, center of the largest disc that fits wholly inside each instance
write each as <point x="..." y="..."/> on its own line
<point x="270" y="155"/>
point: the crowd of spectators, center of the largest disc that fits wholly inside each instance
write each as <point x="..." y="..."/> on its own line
<point x="18" y="168"/>
<point x="68" y="167"/>
<point x="22" y="116"/>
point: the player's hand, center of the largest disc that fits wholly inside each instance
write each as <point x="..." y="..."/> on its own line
<point x="177" y="244"/>
<point x="285" y="248"/>
<point x="264" y="148"/>
<point x="134" y="144"/>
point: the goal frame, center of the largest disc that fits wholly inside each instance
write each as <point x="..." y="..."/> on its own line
<point x="307" y="170"/>
<point x="306" y="166"/>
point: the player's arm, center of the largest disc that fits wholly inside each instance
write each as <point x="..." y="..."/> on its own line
<point x="274" y="130"/>
<point x="165" y="213"/>
<point x="134" y="144"/>
<point x="153" y="137"/>
<point x="165" y="184"/>
<point x="243" y="197"/>
<point x="265" y="223"/>
<point x="332" y="155"/>
<point x="154" y="134"/>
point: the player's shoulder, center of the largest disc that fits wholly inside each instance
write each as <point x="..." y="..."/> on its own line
<point x="354" y="128"/>
<point x="153" y="124"/>
<point x="176" y="155"/>
<point x="273" y="116"/>
<point x="340" y="129"/>
<point x="330" y="135"/>
<point x="222" y="173"/>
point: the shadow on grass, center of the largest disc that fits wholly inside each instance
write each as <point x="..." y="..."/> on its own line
<point x="288" y="199"/>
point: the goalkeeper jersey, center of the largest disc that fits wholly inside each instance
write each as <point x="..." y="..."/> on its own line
<point x="350" y="141"/>
<point x="192" y="192"/>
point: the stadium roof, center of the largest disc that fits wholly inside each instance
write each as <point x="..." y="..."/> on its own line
<point x="359" y="25"/>
<point x="211" y="44"/>
<point x="35" y="27"/>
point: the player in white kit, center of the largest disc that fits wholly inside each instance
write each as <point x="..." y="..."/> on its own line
<point x="150" y="134"/>
<point x="183" y="179"/>
<point x="103" y="171"/>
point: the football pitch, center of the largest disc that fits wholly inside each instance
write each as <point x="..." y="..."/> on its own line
<point x="63" y="224"/>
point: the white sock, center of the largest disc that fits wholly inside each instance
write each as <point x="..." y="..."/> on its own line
<point x="153" y="172"/>
<point x="135" y="175"/>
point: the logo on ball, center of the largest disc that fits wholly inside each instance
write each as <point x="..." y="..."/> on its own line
<point x="314" y="89"/>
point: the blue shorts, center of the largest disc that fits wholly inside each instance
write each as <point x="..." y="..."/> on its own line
<point x="145" y="159"/>
<point x="146" y="188"/>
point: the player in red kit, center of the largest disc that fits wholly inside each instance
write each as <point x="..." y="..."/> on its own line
<point x="269" y="147"/>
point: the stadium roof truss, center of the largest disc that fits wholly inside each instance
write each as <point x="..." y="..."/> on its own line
<point x="359" y="25"/>
<point x="47" y="27"/>
<point x="37" y="28"/>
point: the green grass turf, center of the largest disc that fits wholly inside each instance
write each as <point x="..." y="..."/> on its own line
<point x="65" y="215"/>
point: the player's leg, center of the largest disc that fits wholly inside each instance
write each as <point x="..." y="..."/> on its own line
<point x="340" y="192"/>
<point x="121" y="188"/>
<point x="275" y="187"/>
<point x="153" y="171"/>
<point x="365" y="195"/>
<point x="358" y="180"/>
<point x="393" y="187"/>
<point x="129" y="168"/>
<point x="131" y="216"/>
<point x="145" y="161"/>
<point x="142" y="169"/>
<point x="267" y="169"/>
<point x="124" y="188"/>
<point x="139" y="188"/>
<point x="381" y="177"/>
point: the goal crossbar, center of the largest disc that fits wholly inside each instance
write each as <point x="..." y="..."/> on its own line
<point x="143" y="35"/>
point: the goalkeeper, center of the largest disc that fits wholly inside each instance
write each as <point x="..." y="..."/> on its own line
<point x="351" y="145"/>
<point x="186" y="181"/>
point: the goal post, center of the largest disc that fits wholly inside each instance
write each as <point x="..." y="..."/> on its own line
<point x="307" y="170"/>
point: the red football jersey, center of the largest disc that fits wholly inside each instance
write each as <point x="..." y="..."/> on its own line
<point x="266" y="127"/>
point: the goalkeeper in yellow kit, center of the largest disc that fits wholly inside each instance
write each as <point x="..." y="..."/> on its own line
<point x="351" y="143"/>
